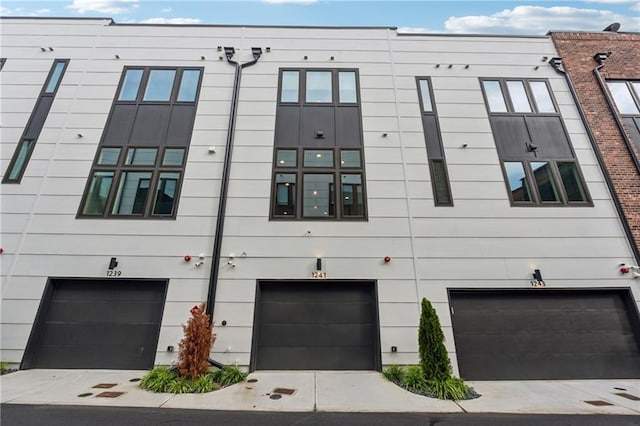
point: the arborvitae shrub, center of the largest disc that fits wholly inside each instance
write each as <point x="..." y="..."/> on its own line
<point x="193" y="359"/>
<point x="434" y="359"/>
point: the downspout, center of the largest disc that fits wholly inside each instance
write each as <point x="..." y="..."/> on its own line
<point x="224" y="185"/>
<point x="556" y="63"/>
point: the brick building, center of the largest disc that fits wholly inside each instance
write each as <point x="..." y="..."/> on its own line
<point x="604" y="69"/>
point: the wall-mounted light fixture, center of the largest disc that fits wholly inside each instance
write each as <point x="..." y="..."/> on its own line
<point x="537" y="280"/>
<point x="268" y="49"/>
<point x="116" y="56"/>
<point x="384" y="135"/>
<point x="113" y="263"/>
<point x="219" y="48"/>
<point x="319" y="273"/>
<point x="202" y="58"/>
<point x="50" y="49"/>
<point x="212" y="150"/>
<point x="79" y="135"/>
<point x="43" y="49"/>
<point x="319" y="134"/>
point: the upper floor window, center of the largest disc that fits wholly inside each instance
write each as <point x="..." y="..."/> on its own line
<point x="626" y="95"/>
<point x="319" y="86"/>
<point x="519" y="96"/>
<point x="159" y="85"/>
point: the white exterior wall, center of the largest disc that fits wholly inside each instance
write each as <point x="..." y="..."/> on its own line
<point x="481" y="242"/>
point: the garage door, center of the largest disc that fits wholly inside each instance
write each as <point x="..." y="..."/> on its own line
<point x="110" y="324"/>
<point x="546" y="334"/>
<point x="316" y="325"/>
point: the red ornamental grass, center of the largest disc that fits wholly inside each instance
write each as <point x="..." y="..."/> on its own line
<point x="193" y="359"/>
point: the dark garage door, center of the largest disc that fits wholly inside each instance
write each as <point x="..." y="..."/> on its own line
<point x="110" y="324"/>
<point x="316" y="325"/>
<point x="545" y="334"/>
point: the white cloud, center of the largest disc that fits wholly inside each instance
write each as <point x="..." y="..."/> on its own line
<point x="5" y="11"/>
<point x="636" y="7"/>
<point x="104" y="6"/>
<point x="409" y="30"/>
<point x="290" y="1"/>
<point x="181" y="21"/>
<point x="539" y="20"/>
<point x="610" y="1"/>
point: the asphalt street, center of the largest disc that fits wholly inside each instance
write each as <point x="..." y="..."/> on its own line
<point x="61" y="415"/>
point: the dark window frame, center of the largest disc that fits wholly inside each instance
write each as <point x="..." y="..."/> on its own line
<point x="434" y="158"/>
<point x="146" y="71"/>
<point x="635" y="95"/>
<point x="2" y="62"/>
<point x="335" y="86"/>
<point x="506" y="96"/>
<point x="24" y="139"/>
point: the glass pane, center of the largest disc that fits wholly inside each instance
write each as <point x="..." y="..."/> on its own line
<point x="188" y="85"/>
<point x="166" y="193"/>
<point x="519" y="97"/>
<point x="572" y="182"/>
<point x="494" y="96"/>
<point x="350" y="158"/>
<point x="542" y="96"/>
<point x="347" y="85"/>
<point x="426" y="96"/>
<point x="132" y="193"/>
<point x="285" y="204"/>
<point x="141" y="156"/>
<point x="98" y="193"/>
<point x="286" y="158"/>
<point x="319" y="86"/>
<point x="159" y="85"/>
<point x="290" y="83"/>
<point x="517" y="181"/>
<point x="440" y="183"/>
<point x="544" y="181"/>
<point x="352" y="197"/>
<point x="318" y="196"/>
<point x="318" y="158"/>
<point x="636" y="88"/>
<point x="622" y="96"/>
<point x="21" y="159"/>
<point x="130" y="86"/>
<point x="55" y="77"/>
<point x="173" y="157"/>
<point x="109" y="156"/>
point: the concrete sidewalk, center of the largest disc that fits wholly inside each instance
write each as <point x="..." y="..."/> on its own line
<point x="336" y="391"/>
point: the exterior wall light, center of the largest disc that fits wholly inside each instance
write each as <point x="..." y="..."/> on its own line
<point x="537" y="280"/>
<point x="113" y="263"/>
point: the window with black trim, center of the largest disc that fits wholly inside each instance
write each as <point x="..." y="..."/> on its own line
<point x="538" y="161"/>
<point x="2" y="61"/>
<point x="138" y="172"/>
<point x="435" y="149"/>
<point x="27" y="143"/>
<point x="626" y="95"/>
<point x="318" y="169"/>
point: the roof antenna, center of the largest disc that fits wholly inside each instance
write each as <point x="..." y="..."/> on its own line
<point x="613" y="27"/>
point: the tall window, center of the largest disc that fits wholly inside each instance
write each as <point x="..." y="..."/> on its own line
<point x="318" y="169"/>
<point x="139" y="173"/>
<point x="435" y="149"/>
<point x="27" y="142"/>
<point x="538" y="161"/>
<point x="626" y="95"/>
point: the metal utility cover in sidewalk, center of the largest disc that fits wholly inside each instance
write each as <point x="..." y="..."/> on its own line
<point x="97" y="323"/>
<point x="546" y="334"/>
<point x="316" y="325"/>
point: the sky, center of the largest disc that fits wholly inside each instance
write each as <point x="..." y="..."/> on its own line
<point x="421" y="16"/>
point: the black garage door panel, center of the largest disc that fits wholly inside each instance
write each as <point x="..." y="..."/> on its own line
<point x="316" y="325"/>
<point x="111" y="324"/>
<point x="545" y="334"/>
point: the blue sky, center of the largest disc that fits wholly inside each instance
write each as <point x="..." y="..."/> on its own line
<point x="440" y="16"/>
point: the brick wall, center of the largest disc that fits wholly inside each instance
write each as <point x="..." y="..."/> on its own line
<point x="577" y="50"/>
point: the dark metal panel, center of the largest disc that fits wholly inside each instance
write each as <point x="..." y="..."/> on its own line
<point x="288" y="125"/>
<point x="549" y="135"/>
<point x="38" y="117"/>
<point x="150" y="125"/>
<point x="432" y="136"/>
<point x="119" y="126"/>
<point x="545" y="334"/>
<point x="315" y="119"/>
<point x="316" y="325"/>
<point x="97" y="323"/>
<point x="180" y="125"/>
<point x="511" y="136"/>
<point x="348" y="126"/>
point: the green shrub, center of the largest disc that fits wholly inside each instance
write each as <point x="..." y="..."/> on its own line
<point x="450" y="388"/>
<point x="180" y="385"/>
<point x="204" y="384"/>
<point x="394" y="373"/>
<point x="413" y="379"/>
<point x="158" y="380"/>
<point x="231" y="375"/>
<point x="3" y="366"/>
<point x="162" y="379"/>
<point x="434" y="359"/>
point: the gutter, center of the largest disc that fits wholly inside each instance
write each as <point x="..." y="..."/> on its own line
<point x="224" y="185"/>
<point x="556" y="63"/>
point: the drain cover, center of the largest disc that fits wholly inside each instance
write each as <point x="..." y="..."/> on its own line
<point x="109" y="394"/>
<point x="84" y="395"/>
<point x="276" y="396"/>
<point x="104" y="385"/>
<point x="137" y="379"/>
<point x="628" y="396"/>
<point x="598" y="403"/>
<point x="284" y="391"/>
<point x="255" y="380"/>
